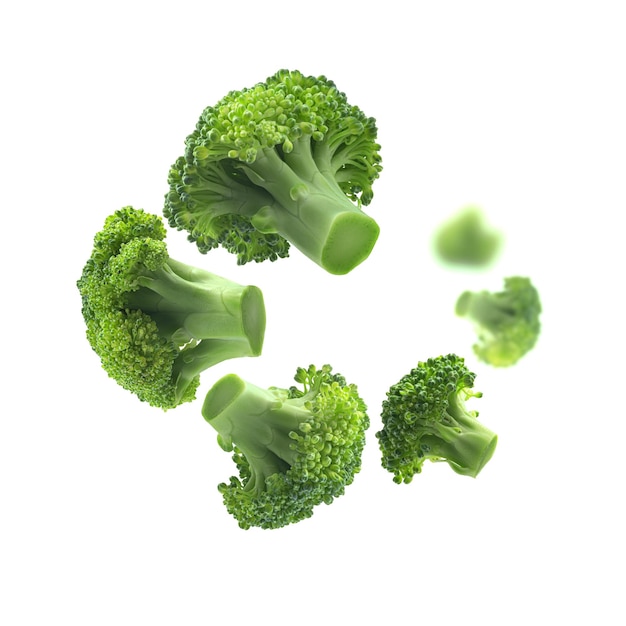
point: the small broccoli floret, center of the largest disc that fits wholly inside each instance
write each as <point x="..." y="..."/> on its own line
<point x="507" y="322"/>
<point x="294" y="448"/>
<point x="466" y="239"/>
<point x="425" y="418"/>
<point x="288" y="161"/>
<point x="157" y="323"/>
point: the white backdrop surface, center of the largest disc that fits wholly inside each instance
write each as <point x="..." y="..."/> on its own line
<point x="109" y="512"/>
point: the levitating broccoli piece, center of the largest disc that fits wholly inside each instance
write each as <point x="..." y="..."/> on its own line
<point x="507" y="322"/>
<point x="288" y="161"/>
<point x="425" y="418"/>
<point x="467" y="239"/>
<point x="294" y="448"/>
<point x="157" y="323"/>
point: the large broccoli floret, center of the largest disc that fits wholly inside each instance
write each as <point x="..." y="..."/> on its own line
<point x="425" y="418"/>
<point x="507" y="322"/>
<point x="466" y="239"/>
<point x="286" y="161"/>
<point x="157" y="323"/>
<point x="294" y="448"/>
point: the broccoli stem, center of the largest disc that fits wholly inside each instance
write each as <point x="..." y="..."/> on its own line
<point x="197" y="357"/>
<point x="188" y="303"/>
<point x="310" y="210"/>
<point x="209" y="318"/>
<point x="466" y="444"/>
<point x="257" y="422"/>
<point x="484" y="308"/>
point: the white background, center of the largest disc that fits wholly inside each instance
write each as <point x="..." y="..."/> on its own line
<point x="109" y="508"/>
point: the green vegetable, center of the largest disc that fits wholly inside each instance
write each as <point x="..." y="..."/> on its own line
<point x="425" y="418"/>
<point x="288" y="161"/>
<point x="507" y="322"/>
<point x="467" y="239"/>
<point x="157" y="323"/>
<point x="294" y="448"/>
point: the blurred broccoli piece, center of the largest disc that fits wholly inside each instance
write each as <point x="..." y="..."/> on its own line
<point x="467" y="239"/>
<point x="507" y="322"/>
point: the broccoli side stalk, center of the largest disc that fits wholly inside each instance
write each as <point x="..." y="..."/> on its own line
<point x="461" y="440"/>
<point x="311" y="211"/>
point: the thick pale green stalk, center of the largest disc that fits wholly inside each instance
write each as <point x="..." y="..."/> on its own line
<point x="311" y="211"/>
<point x="466" y="444"/>
<point x="256" y="421"/>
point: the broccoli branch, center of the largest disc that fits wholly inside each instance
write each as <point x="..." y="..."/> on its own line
<point x="310" y="210"/>
<point x="258" y="422"/>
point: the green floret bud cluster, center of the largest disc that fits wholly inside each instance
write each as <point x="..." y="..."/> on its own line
<point x="273" y="113"/>
<point x="425" y="418"/>
<point x="294" y="448"/>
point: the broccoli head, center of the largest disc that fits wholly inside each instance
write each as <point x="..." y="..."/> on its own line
<point x="466" y="239"/>
<point x="507" y="322"/>
<point x="157" y="323"/>
<point x="294" y="448"/>
<point x="288" y="161"/>
<point x="425" y="418"/>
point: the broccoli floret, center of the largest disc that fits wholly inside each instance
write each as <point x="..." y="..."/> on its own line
<point x="466" y="239"/>
<point x="288" y="161"/>
<point x="424" y="417"/>
<point x="294" y="448"/>
<point x="507" y="322"/>
<point x="157" y="323"/>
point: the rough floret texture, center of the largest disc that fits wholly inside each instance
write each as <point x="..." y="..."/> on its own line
<point x="157" y="323"/>
<point x="466" y="239"/>
<point x="425" y="418"/>
<point x="507" y="322"/>
<point x="294" y="448"/>
<point x="288" y="161"/>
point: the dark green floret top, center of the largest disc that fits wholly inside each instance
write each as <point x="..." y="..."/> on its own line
<point x="294" y="448"/>
<point x="286" y="162"/>
<point x="507" y="322"/>
<point x="425" y="418"/>
<point x="157" y="323"/>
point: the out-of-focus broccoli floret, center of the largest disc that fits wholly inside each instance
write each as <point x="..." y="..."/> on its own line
<point x="425" y="418"/>
<point x="507" y="322"/>
<point x="466" y="239"/>
<point x="294" y="448"/>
